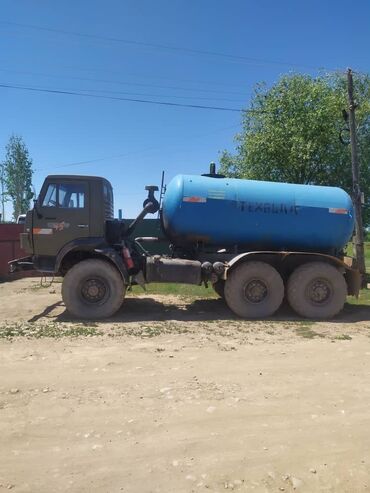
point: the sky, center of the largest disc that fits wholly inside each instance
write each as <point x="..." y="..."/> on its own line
<point x="208" y="53"/>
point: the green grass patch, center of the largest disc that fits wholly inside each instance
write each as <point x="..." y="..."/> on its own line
<point x="305" y="323"/>
<point x="343" y="337"/>
<point x="307" y="333"/>
<point x="363" y="299"/>
<point x="54" y="330"/>
<point x="184" y="290"/>
<point x="148" y="331"/>
<point x="349" y="252"/>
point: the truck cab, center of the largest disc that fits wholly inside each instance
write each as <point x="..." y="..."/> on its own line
<point x="70" y="211"/>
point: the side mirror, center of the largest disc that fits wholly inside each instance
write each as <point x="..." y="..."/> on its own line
<point x="35" y="202"/>
<point x="36" y="207"/>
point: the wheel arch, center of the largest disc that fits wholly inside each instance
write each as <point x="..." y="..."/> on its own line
<point x="68" y="257"/>
<point x="286" y="262"/>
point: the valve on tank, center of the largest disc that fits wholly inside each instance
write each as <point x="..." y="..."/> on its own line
<point x="212" y="172"/>
<point x="150" y="206"/>
<point x="151" y="199"/>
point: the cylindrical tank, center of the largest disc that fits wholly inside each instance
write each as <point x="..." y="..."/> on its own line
<point x="223" y="212"/>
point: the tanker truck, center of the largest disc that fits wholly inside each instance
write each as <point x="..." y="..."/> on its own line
<point x="254" y="242"/>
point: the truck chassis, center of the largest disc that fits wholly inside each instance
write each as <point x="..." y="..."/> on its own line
<point x="99" y="264"/>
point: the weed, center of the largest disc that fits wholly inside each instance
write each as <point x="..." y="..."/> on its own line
<point x="54" y="330"/>
<point x="307" y="333"/>
<point x="305" y="323"/>
<point x="343" y="337"/>
<point x="149" y="332"/>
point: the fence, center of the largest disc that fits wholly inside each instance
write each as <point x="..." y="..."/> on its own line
<point x="9" y="246"/>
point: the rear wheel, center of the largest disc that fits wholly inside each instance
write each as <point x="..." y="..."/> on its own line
<point x="93" y="289"/>
<point x="317" y="290"/>
<point x="219" y="287"/>
<point x="254" y="290"/>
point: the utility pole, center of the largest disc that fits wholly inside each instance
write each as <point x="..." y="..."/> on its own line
<point x="357" y="196"/>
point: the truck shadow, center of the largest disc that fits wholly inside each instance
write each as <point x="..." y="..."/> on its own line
<point x="151" y="310"/>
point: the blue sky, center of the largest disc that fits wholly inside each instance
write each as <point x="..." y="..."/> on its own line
<point x="134" y="142"/>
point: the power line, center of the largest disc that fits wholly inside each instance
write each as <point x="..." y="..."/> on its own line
<point x="89" y="79"/>
<point x="161" y="95"/>
<point x="96" y="160"/>
<point x="126" y="154"/>
<point x="23" y="72"/>
<point x="130" y="74"/>
<point x="163" y="46"/>
<point x="151" y="75"/>
<point x="115" y="98"/>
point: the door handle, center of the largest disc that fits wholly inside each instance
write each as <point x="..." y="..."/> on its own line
<point x="82" y="225"/>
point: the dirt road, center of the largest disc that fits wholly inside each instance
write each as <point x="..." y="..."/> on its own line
<point x="180" y="397"/>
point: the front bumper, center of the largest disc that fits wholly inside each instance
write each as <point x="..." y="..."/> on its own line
<point x="21" y="264"/>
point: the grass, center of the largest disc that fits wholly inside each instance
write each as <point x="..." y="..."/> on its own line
<point x="343" y="337"/>
<point x="54" y="330"/>
<point x="307" y="333"/>
<point x="184" y="290"/>
<point x="349" y="251"/>
<point x="364" y="298"/>
<point x="148" y="331"/>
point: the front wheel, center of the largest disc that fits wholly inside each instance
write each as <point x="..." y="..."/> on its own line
<point x="93" y="289"/>
<point x="254" y="290"/>
<point x="317" y="290"/>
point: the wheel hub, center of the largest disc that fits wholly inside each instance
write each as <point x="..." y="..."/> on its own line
<point x="255" y="291"/>
<point x="93" y="290"/>
<point x="319" y="291"/>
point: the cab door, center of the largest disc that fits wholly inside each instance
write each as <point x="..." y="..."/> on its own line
<point x="62" y="216"/>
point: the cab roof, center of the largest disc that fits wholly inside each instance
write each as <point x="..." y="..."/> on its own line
<point x="78" y="177"/>
<point x="75" y="177"/>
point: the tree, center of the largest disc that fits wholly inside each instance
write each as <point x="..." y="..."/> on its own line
<point x="291" y="134"/>
<point x="18" y="175"/>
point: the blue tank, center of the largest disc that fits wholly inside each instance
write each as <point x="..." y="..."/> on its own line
<point x="222" y="212"/>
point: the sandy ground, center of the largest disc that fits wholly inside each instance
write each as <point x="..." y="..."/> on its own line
<point x="175" y="395"/>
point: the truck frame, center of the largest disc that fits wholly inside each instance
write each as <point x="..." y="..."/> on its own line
<point x="71" y="232"/>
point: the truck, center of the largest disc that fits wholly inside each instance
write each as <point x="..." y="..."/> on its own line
<point x="254" y="242"/>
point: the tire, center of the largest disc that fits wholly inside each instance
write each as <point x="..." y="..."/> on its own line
<point x="219" y="287"/>
<point x="93" y="289"/>
<point x="317" y="290"/>
<point x="254" y="290"/>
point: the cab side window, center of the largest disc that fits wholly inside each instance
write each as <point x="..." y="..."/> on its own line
<point x="71" y="196"/>
<point x="50" y="198"/>
<point x="65" y="195"/>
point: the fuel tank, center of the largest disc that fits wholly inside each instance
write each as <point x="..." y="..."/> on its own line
<point x="224" y="212"/>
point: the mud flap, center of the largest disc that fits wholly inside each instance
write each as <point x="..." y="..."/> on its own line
<point x="354" y="282"/>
